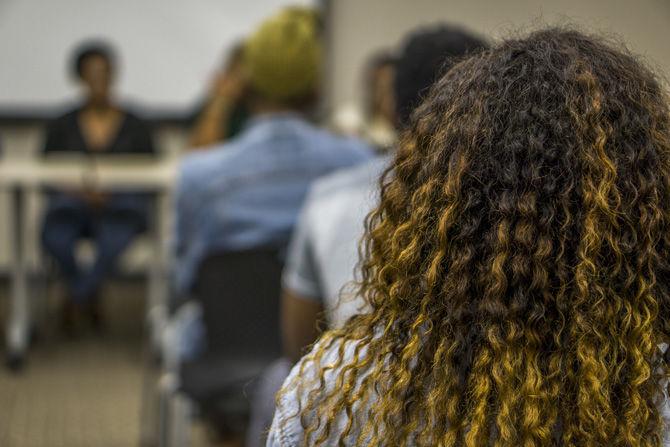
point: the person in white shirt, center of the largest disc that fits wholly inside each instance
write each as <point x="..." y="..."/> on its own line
<point x="323" y="253"/>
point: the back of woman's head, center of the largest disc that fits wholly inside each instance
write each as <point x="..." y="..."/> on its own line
<point x="517" y="265"/>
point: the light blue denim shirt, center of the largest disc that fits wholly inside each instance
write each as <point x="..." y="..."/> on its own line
<point x="247" y="193"/>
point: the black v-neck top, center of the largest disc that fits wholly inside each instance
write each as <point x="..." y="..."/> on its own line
<point x="64" y="135"/>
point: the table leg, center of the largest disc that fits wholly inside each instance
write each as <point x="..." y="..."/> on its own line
<point x="19" y="315"/>
<point x="158" y="288"/>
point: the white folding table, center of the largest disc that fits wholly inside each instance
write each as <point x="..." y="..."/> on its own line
<point x="25" y="178"/>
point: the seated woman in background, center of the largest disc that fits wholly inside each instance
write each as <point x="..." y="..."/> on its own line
<point x="111" y="221"/>
<point x="517" y="267"/>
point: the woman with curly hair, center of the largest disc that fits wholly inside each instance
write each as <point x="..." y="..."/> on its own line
<point x="517" y="266"/>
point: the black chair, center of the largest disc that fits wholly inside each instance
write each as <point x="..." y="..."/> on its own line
<point x="239" y="294"/>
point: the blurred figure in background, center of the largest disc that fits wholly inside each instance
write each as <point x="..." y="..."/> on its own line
<point x="99" y="126"/>
<point x="380" y="130"/>
<point x="225" y="112"/>
<point x="324" y="249"/>
<point x="375" y="123"/>
<point x="247" y="192"/>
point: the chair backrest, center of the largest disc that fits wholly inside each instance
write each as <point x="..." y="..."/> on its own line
<point x="239" y="292"/>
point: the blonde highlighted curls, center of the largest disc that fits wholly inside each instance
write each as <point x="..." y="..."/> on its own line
<point x="517" y="265"/>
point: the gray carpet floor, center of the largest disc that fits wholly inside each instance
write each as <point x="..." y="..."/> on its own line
<point x="88" y="391"/>
<point x="84" y="391"/>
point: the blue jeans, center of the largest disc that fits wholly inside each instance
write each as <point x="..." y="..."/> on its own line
<point x="111" y="229"/>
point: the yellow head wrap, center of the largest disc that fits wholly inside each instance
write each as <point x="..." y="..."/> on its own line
<point x="283" y="57"/>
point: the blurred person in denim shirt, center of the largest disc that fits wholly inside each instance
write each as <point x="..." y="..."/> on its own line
<point x="247" y="193"/>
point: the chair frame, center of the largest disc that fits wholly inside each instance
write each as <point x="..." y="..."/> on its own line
<point x="177" y="409"/>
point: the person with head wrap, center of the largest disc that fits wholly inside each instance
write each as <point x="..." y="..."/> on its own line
<point x="275" y="158"/>
<point x="246" y="193"/>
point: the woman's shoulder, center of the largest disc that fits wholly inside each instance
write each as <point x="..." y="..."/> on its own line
<point x="328" y="356"/>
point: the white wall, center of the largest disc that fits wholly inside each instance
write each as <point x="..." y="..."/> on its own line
<point x="360" y="27"/>
<point x="168" y="48"/>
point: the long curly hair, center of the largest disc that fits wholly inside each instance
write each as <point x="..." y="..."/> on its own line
<point x="517" y="266"/>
